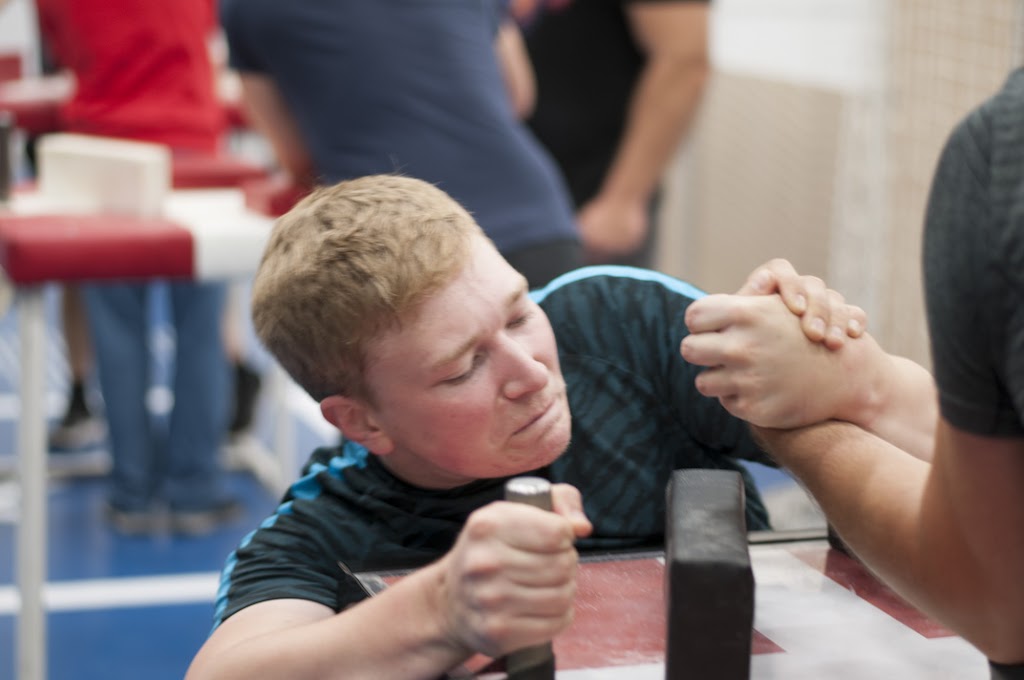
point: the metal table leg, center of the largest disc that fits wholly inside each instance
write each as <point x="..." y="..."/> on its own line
<point x="32" y="525"/>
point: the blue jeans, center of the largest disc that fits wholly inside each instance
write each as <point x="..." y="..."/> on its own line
<point x="182" y="468"/>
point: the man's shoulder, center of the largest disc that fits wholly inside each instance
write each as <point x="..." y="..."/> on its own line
<point x="997" y="116"/>
<point x="986" y="149"/>
<point x="592" y="308"/>
<point x="1013" y="89"/>
<point x="613" y="276"/>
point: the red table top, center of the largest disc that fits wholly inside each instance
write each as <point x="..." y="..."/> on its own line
<point x="818" y="614"/>
<point x="207" y="171"/>
<point x="41" y="248"/>
<point x="53" y="247"/>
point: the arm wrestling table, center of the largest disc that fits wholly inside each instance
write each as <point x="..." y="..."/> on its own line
<point x="818" y="615"/>
<point x="202" y="235"/>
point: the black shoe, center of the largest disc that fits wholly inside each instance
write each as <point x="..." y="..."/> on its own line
<point x="247" y="387"/>
<point x="77" y="443"/>
<point x="207" y="520"/>
<point x="77" y="430"/>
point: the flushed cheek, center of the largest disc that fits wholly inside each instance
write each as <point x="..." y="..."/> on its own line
<point x="472" y="424"/>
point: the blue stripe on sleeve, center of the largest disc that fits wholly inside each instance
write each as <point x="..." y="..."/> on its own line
<point x="670" y="282"/>
<point x="307" y="487"/>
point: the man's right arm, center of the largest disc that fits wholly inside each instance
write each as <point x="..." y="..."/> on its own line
<point x="508" y="583"/>
<point x="269" y="115"/>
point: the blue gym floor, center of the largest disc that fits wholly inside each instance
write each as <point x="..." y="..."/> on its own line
<point x="120" y="607"/>
<point x="103" y="621"/>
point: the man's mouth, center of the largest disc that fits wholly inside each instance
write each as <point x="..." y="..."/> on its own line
<point x="538" y="416"/>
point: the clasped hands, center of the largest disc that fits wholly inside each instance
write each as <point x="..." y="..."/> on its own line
<point x="776" y="351"/>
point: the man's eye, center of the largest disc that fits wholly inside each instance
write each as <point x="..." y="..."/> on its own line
<point x="463" y="377"/>
<point x="459" y="379"/>
<point x="519" y="321"/>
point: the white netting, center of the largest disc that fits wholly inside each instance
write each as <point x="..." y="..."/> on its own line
<point x="818" y="140"/>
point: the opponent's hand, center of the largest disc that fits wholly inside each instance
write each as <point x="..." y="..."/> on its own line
<point x="824" y="315"/>
<point x="510" y="579"/>
<point x="761" y="366"/>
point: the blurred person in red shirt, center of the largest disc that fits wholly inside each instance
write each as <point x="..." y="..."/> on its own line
<point x="143" y="72"/>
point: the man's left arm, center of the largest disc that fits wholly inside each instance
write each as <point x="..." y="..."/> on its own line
<point x="674" y="36"/>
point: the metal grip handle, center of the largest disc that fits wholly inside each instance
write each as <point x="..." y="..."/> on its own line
<point x="537" y="662"/>
<point x="6" y="160"/>
<point x="535" y="491"/>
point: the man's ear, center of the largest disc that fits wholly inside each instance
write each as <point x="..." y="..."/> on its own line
<point x="356" y="421"/>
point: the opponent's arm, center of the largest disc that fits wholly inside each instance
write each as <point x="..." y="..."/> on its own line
<point x="765" y="370"/>
<point x="824" y="314"/>
<point x="946" y="536"/>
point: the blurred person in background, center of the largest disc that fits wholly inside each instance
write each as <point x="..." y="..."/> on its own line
<point x="429" y="90"/>
<point x="143" y="72"/>
<point x="619" y="83"/>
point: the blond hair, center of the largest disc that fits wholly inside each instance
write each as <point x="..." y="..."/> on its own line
<point x="347" y="263"/>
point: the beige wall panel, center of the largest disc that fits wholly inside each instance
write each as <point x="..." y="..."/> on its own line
<point x="837" y="180"/>
<point x="944" y="58"/>
<point x="762" y="176"/>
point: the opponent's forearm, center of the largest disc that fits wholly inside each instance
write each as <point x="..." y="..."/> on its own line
<point x="891" y="396"/>
<point x="909" y="411"/>
<point x="869" y="490"/>
<point x="891" y="509"/>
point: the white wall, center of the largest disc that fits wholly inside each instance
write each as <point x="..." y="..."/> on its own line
<point x="820" y="43"/>
<point x="764" y="153"/>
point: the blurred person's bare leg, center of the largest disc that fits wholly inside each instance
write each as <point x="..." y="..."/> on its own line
<point x="79" y="427"/>
<point x="246" y="377"/>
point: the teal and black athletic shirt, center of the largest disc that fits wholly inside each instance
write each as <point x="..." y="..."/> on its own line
<point x="636" y="417"/>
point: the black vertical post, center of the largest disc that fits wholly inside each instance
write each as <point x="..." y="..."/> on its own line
<point x="709" y="583"/>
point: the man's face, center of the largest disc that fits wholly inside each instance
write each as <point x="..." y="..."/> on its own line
<point x="471" y="387"/>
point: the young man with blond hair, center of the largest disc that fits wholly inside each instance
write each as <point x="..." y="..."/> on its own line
<point x="446" y="376"/>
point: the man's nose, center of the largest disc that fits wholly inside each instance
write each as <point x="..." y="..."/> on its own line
<point x="526" y="373"/>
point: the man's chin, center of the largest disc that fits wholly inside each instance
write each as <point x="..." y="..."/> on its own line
<point x="545" y="447"/>
<point x="559" y="439"/>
